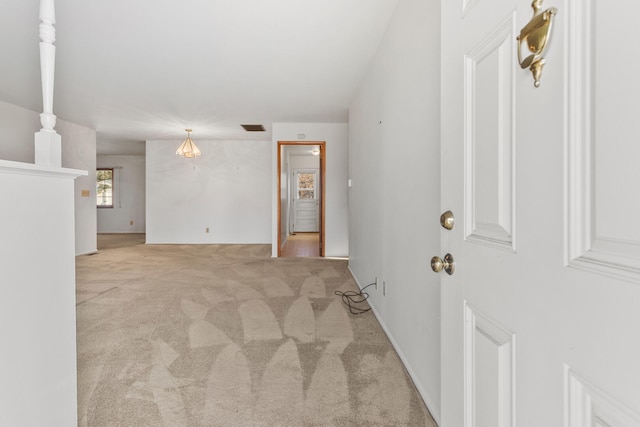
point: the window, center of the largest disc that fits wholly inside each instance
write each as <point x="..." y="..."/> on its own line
<point x="306" y="185"/>
<point x="104" y="188"/>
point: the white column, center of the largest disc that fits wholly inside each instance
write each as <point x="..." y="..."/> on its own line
<point x="48" y="144"/>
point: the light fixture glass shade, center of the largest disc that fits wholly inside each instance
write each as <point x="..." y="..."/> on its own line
<point x="188" y="148"/>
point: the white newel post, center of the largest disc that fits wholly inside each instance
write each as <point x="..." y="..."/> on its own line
<point x="48" y="148"/>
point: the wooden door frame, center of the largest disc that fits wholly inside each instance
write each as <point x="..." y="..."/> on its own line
<point x="322" y="156"/>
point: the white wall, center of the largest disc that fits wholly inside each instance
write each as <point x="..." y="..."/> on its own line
<point x="284" y="199"/>
<point x="37" y="296"/>
<point x="304" y="162"/>
<point x="79" y="152"/>
<point x="336" y="151"/>
<point x="18" y="126"/>
<point x="129" y="197"/>
<point x="226" y="189"/>
<point x="394" y="164"/>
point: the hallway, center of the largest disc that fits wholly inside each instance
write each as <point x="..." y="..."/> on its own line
<point x="302" y="245"/>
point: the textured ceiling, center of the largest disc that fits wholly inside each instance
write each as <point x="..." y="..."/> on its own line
<point x="147" y="69"/>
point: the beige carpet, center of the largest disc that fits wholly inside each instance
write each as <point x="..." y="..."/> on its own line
<point x="224" y="335"/>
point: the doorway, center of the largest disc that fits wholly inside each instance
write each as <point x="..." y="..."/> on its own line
<point x="304" y="195"/>
<point x="301" y="195"/>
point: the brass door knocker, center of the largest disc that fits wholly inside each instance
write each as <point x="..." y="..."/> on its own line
<point x="536" y="35"/>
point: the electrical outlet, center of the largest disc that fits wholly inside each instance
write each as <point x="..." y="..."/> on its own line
<point x="384" y="288"/>
<point x="206" y="230"/>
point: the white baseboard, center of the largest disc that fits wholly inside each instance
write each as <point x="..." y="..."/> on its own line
<point x="433" y="409"/>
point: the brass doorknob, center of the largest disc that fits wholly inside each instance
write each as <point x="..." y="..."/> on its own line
<point x="447" y="264"/>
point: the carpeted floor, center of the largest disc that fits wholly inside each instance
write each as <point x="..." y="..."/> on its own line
<point x="224" y="335"/>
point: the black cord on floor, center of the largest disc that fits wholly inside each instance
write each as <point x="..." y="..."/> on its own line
<point x="352" y="297"/>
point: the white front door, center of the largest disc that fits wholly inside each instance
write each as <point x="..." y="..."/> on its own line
<point x="305" y="200"/>
<point x="541" y="317"/>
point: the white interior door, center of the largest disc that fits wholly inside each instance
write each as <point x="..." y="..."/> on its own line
<point x="305" y="200"/>
<point x="541" y="318"/>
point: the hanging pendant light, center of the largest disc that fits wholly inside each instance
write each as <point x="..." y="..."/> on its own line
<point x="188" y="148"/>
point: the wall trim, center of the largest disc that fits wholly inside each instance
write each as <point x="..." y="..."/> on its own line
<point x="19" y="168"/>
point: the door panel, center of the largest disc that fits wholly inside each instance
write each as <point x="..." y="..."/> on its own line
<point x="489" y="363"/>
<point x="306" y="216"/>
<point x="489" y="118"/>
<point x="604" y="234"/>
<point x="589" y="406"/>
<point x="557" y="320"/>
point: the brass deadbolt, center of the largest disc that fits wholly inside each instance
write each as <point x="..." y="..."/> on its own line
<point x="447" y="220"/>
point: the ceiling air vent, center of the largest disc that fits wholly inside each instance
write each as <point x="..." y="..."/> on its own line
<point x="253" y="128"/>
